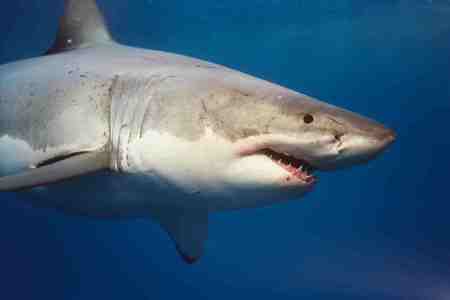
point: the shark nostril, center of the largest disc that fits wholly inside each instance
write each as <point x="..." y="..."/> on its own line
<point x="339" y="144"/>
<point x="338" y="136"/>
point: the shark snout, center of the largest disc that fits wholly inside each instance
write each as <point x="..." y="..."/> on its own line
<point x="387" y="138"/>
<point x="358" y="148"/>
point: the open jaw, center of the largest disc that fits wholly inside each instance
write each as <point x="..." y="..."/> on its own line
<point x="298" y="168"/>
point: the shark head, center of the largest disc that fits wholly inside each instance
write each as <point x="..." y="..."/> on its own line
<point x="247" y="142"/>
<point x="309" y="134"/>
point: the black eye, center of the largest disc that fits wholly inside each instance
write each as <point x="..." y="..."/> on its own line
<point x="308" y="118"/>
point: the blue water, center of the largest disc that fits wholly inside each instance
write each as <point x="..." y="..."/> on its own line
<point x="379" y="231"/>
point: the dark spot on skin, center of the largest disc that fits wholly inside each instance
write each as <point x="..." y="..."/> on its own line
<point x="336" y="121"/>
<point x="246" y="132"/>
<point x="240" y="93"/>
<point x="205" y="66"/>
<point x="205" y="109"/>
<point x="288" y="178"/>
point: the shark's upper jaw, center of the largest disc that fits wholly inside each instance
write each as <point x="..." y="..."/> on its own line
<point x="300" y="157"/>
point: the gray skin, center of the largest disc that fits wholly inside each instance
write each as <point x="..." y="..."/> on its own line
<point x="36" y="94"/>
<point x="94" y="87"/>
<point x="92" y="95"/>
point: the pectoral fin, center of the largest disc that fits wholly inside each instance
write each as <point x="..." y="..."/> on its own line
<point x="56" y="170"/>
<point x="188" y="229"/>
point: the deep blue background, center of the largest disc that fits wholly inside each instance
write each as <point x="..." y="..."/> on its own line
<point x="379" y="231"/>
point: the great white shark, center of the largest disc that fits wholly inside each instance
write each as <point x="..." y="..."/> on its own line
<point x="96" y="128"/>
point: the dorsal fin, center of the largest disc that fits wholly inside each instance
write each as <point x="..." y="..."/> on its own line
<point x="81" y="26"/>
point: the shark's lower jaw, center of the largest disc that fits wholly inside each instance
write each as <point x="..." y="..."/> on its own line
<point x="297" y="168"/>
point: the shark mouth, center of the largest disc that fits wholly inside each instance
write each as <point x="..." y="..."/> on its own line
<point x="297" y="167"/>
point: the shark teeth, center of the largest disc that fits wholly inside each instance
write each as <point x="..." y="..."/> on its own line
<point x="296" y="167"/>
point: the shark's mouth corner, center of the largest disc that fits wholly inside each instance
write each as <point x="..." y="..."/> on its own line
<point x="296" y="167"/>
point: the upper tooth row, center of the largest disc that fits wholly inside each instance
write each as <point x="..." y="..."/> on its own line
<point x="301" y="168"/>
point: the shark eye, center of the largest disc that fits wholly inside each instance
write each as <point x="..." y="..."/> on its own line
<point x="308" y="118"/>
